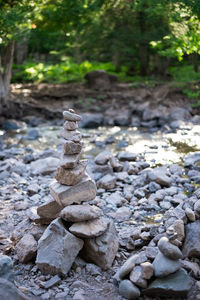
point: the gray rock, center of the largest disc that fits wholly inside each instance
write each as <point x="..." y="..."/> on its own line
<point x="83" y="191"/>
<point x="9" y="292"/>
<point x="191" y="246"/>
<point x="151" y="252"/>
<point x="127" y="156"/>
<point x="136" y="277"/>
<point x="147" y="270"/>
<point x="190" y="214"/>
<point x="6" y="267"/>
<point x="116" y="199"/>
<point x="26" y="248"/>
<point x="177" y="284"/>
<point x="51" y="282"/>
<point x="70" y="147"/>
<point x="70" y="125"/>
<point x="103" y="157"/>
<point x="164" y="266"/>
<point x="71" y="116"/>
<point x="79" y="213"/>
<point x="169" y="250"/>
<point x="89" y="229"/>
<point x="102" y="250"/>
<point x="33" y="189"/>
<point x="160" y="177"/>
<point x="74" y="136"/>
<point x="55" y="255"/>
<point x="192" y="160"/>
<point x="197" y="208"/>
<point x="128" y="266"/>
<point x="44" y="166"/>
<point x="49" y="209"/>
<point x="128" y="290"/>
<point x="91" y="120"/>
<point x="107" y="182"/>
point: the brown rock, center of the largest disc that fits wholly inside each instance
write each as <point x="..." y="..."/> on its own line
<point x="33" y="216"/>
<point x="78" y="213"/>
<point x="89" y="229"/>
<point x="102" y="249"/>
<point x="74" y="135"/>
<point x="65" y="195"/>
<point x="71" y="176"/>
<point x="26" y="248"/>
<point x="71" y="116"/>
<point x="71" y="125"/>
<point x="70" y="147"/>
<point x="70" y="161"/>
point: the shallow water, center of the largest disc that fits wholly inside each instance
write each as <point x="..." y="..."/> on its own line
<point x="157" y="148"/>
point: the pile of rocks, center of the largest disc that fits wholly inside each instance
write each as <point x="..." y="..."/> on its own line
<point x="75" y="224"/>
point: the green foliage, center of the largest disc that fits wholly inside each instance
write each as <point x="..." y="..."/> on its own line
<point x="184" y="73"/>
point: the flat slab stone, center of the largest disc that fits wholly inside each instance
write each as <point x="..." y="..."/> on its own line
<point x="65" y="195"/>
<point x="70" y="161"/>
<point x="74" y="136"/>
<point x="69" y="116"/>
<point x="102" y="249"/>
<point x="50" y="209"/>
<point x="70" y="147"/>
<point x="78" y="213"/>
<point x="71" y="176"/>
<point x="57" y="249"/>
<point x="44" y="166"/>
<point x="177" y="284"/>
<point x="164" y="266"/>
<point x="89" y="229"/>
<point x="127" y="156"/>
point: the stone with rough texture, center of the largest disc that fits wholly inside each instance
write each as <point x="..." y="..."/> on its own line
<point x="164" y="266"/>
<point x="71" y="116"/>
<point x="177" y="285"/>
<point x="26" y="248"/>
<point x="190" y="214"/>
<point x="89" y="229"/>
<point x="137" y="278"/>
<point x="6" y="267"/>
<point x="127" y="156"/>
<point x="168" y="249"/>
<point x="49" y="209"/>
<point x="79" y="213"/>
<point x="9" y="292"/>
<point x="57" y="249"/>
<point x="102" y="250"/>
<point x="191" y="246"/>
<point x="147" y="270"/>
<point x="69" y="161"/>
<point x="70" y="147"/>
<point x="160" y="177"/>
<point x="74" y="136"/>
<point x="44" y="166"/>
<point x="70" y="125"/>
<point x="71" y="176"/>
<point x="103" y="157"/>
<point x="128" y="290"/>
<point x="107" y="182"/>
<point x="83" y="191"/>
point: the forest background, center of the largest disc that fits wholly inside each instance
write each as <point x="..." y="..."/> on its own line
<point x="146" y="41"/>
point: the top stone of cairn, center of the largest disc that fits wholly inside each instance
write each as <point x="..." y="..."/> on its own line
<point x="71" y="116"/>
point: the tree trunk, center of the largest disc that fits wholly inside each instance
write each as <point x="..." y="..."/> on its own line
<point x="5" y="75"/>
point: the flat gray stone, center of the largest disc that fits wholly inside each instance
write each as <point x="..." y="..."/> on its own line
<point x="89" y="229"/>
<point x="70" y="116"/>
<point x="79" y="213"/>
<point x="44" y="166"/>
<point x="127" y="156"/>
<point x="74" y="136"/>
<point x="55" y="255"/>
<point x="107" y="182"/>
<point x="69" y="161"/>
<point x="102" y="249"/>
<point x="177" y="284"/>
<point x="71" y="176"/>
<point x="164" y="266"/>
<point x="128" y="290"/>
<point x="65" y="195"/>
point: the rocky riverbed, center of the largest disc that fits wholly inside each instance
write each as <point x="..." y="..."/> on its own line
<point x="148" y="183"/>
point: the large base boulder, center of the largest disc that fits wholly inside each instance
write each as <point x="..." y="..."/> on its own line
<point x="57" y="249"/>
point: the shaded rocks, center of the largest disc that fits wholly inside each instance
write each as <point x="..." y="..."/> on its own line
<point x="26" y="248"/>
<point x="9" y="291"/>
<point x="191" y="246"/>
<point x="164" y="266"/>
<point x="55" y="255"/>
<point x="6" y="267"/>
<point x="128" y="290"/>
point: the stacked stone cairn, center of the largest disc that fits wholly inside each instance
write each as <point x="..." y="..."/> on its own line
<point x="75" y="225"/>
<point x="156" y="270"/>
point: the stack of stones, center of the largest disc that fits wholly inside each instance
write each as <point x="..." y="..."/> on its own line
<point x="165" y="273"/>
<point x="76" y="225"/>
